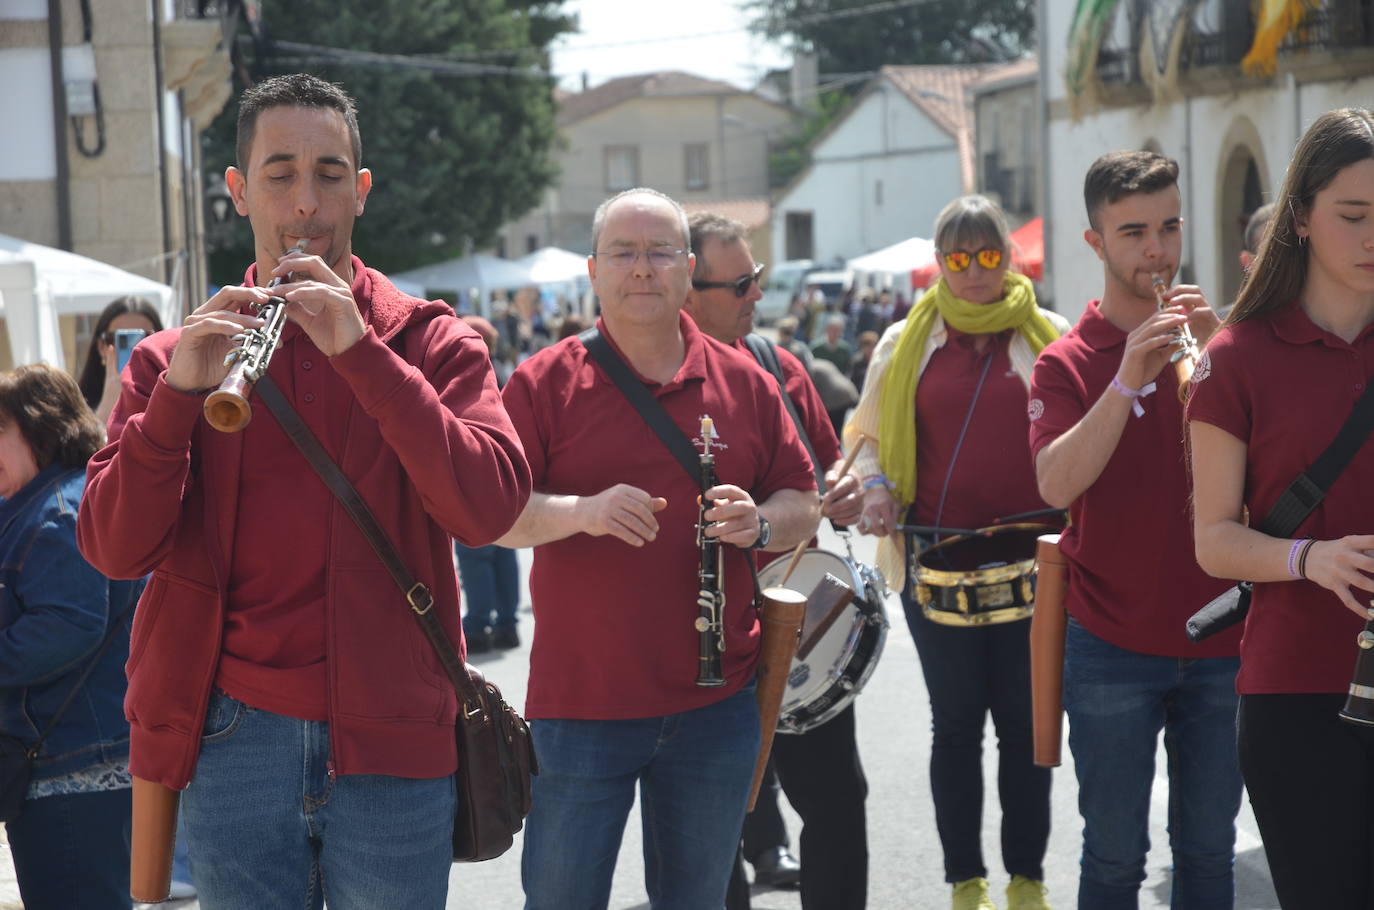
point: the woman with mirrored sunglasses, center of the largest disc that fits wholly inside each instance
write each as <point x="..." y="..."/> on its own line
<point x="945" y="400"/>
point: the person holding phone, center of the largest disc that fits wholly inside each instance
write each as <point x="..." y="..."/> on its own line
<point x="100" y="376"/>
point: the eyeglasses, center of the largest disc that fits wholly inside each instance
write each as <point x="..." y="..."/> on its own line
<point x="739" y="285"/>
<point x="659" y="258"/>
<point x="958" y="260"/>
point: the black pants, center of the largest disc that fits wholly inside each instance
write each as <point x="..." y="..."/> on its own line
<point x="1310" y="776"/>
<point x="970" y="672"/>
<point x="824" y="781"/>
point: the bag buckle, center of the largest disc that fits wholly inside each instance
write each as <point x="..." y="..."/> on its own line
<point x="469" y="713"/>
<point x="421" y="601"/>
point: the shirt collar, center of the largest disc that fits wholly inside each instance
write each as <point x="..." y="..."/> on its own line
<point x="694" y="359"/>
<point x="1097" y="331"/>
<point x="1292" y="324"/>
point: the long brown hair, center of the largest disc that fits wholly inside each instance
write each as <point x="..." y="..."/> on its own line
<point x="1334" y="141"/>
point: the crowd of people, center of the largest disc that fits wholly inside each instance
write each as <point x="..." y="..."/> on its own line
<point x="271" y="674"/>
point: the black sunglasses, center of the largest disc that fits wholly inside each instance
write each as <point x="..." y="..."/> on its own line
<point x="740" y="285"/>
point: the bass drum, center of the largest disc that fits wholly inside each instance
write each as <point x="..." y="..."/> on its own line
<point x="832" y="675"/>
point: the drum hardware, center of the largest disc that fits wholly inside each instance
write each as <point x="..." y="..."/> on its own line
<point x="844" y="656"/>
<point x="982" y="578"/>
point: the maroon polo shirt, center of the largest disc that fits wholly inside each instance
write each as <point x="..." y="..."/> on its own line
<point x="992" y="475"/>
<point x="273" y="653"/>
<point x="613" y="634"/>
<point x="815" y="421"/>
<point x="1284" y="387"/>
<point x="1133" y="576"/>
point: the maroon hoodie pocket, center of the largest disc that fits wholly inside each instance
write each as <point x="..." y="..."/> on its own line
<point x="173" y="651"/>
<point x="381" y="665"/>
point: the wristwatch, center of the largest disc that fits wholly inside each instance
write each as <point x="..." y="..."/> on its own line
<point x="765" y="534"/>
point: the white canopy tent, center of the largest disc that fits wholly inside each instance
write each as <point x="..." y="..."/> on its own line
<point x="39" y="283"/>
<point x="478" y="273"/>
<point x="552" y="265"/>
<point x="896" y="260"/>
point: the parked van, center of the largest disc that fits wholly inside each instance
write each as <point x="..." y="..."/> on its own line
<point x="781" y="282"/>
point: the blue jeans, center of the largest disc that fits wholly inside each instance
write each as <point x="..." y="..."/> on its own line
<point x="491" y="587"/>
<point x="693" y="769"/>
<point x="72" y="850"/>
<point x="267" y="827"/>
<point x="1117" y="702"/>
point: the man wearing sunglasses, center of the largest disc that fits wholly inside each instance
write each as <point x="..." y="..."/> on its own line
<point x="819" y="770"/>
<point x="613" y="698"/>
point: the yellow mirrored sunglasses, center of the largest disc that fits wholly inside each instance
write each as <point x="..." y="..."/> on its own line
<point x="958" y="260"/>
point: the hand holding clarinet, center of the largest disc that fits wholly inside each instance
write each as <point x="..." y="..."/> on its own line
<point x="217" y="337"/>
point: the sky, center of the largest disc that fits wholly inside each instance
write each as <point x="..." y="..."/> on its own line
<point x="625" y="37"/>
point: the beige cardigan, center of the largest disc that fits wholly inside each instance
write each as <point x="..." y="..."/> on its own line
<point x="863" y="422"/>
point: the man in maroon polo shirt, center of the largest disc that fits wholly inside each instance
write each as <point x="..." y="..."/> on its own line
<point x="819" y="770"/>
<point x="1107" y="438"/>
<point x="277" y="674"/>
<point x="612" y="695"/>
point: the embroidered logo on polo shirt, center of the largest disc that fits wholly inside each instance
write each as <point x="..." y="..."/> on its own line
<point x="1203" y="368"/>
<point x="1035" y="410"/>
<point x="711" y="430"/>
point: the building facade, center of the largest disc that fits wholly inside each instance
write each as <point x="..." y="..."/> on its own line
<point x="698" y="140"/>
<point x="104" y="103"/>
<point x="1212" y="84"/>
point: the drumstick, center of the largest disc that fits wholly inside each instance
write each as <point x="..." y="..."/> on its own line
<point x="801" y="547"/>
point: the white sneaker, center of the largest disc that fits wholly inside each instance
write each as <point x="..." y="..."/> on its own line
<point x="181" y="891"/>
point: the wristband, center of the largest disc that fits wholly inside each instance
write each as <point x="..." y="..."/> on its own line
<point x="1302" y="557"/>
<point x="1293" y="557"/>
<point x="1134" y="394"/>
<point x="877" y="480"/>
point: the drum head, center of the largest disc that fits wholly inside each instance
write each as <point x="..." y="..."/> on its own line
<point x="810" y="570"/>
<point x="995" y="546"/>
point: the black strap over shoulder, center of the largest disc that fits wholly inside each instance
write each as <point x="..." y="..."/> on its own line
<point x="644" y="402"/>
<point x="766" y="353"/>
<point x="1309" y="488"/>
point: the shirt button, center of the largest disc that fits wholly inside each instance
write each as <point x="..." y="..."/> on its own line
<point x="309" y="397"/>
<point x="306" y="365"/>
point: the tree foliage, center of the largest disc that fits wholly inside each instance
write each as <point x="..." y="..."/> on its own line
<point x="789" y="156"/>
<point x="453" y="157"/>
<point x="915" y="32"/>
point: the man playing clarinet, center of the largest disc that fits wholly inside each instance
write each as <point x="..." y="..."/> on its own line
<point x="278" y="676"/>
<point x="614" y="694"/>
<point x="1106" y="434"/>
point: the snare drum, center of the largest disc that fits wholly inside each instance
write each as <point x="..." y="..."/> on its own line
<point x="843" y="659"/>
<point x="978" y="579"/>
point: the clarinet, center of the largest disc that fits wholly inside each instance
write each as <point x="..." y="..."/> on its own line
<point x="227" y="408"/>
<point x="710" y="575"/>
<point x="1359" y="704"/>
<point x="1185" y="355"/>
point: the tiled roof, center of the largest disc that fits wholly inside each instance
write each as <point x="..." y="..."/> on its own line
<point x="942" y="92"/>
<point x="750" y="212"/>
<point x="575" y="107"/>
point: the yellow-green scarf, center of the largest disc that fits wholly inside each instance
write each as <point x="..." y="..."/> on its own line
<point x="896" y="423"/>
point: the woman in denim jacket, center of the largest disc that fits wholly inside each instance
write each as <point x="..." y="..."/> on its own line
<point x="71" y="841"/>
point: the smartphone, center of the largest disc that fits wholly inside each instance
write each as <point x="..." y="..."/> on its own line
<point x="124" y="342"/>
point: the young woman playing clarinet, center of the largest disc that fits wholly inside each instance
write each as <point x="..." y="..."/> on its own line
<point x="945" y="403"/>
<point x="1271" y="391"/>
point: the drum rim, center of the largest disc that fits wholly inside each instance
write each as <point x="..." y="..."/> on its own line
<point x="985" y="618"/>
<point x="948" y="578"/>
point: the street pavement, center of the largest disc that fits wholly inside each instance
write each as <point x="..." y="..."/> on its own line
<point x="906" y="871"/>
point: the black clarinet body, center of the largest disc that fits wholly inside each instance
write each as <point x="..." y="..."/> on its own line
<point x="710" y="577"/>
<point x="1359" y="703"/>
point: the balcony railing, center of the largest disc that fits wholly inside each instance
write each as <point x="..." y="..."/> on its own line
<point x="1334" y="24"/>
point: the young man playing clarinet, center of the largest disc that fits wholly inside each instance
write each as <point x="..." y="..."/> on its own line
<point x="1107" y="438"/>
<point x="613" y="694"/>
<point x="278" y="676"/>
